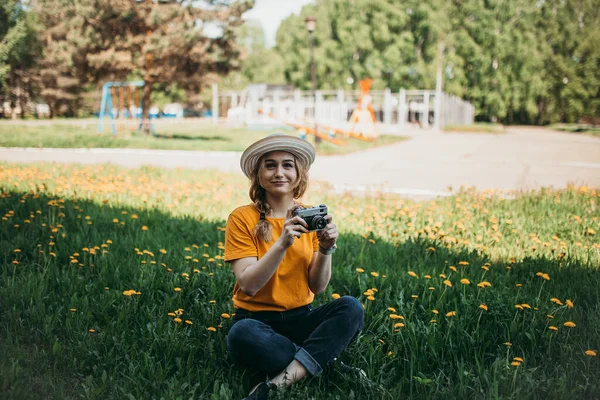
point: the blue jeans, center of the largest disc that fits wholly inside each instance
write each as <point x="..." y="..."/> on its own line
<point x="269" y="341"/>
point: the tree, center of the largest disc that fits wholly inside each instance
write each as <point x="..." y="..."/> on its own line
<point x="18" y="47"/>
<point x="164" y="41"/>
<point x="526" y="62"/>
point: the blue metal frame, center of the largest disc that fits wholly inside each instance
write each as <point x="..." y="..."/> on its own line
<point x="107" y="102"/>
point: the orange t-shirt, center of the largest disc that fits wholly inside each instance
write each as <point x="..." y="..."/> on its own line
<point x="288" y="287"/>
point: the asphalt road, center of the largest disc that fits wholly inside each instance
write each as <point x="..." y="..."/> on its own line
<point x="425" y="166"/>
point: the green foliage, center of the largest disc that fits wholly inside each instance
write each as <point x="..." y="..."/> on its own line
<point x="18" y="50"/>
<point x="532" y="62"/>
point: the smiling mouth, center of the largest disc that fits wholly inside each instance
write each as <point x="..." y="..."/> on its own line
<point x="278" y="183"/>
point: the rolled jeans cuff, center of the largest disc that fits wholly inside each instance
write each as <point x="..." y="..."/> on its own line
<point x="308" y="361"/>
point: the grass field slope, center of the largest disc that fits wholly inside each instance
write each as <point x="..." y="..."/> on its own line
<point x="113" y="286"/>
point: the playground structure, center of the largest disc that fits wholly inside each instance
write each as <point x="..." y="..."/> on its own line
<point x="339" y="112"/>
<point x="362" y="121"/>
<point x="128" y="101"/>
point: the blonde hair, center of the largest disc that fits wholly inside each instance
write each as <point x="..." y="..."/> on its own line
<point x="264" y="230"/>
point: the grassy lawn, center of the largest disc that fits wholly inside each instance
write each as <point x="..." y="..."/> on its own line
<point x="112" y="285"/>
<point x="577" y="128"/>
<point x="478" y="127"/>
<point x="192" y="135"/>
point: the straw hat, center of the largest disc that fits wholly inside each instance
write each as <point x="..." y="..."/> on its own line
<point x="277" y="142"/>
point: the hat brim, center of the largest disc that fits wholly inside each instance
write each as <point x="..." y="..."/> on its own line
<point x="300" y="148"/>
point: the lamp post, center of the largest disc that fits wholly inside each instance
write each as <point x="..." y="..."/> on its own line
<point x="311" y="24"/>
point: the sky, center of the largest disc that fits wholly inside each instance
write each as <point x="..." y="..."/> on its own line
<point x="270" y="13"/>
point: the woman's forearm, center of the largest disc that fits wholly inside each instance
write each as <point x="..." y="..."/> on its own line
<point x="258" y="273"/>
<point x="319" y="273"/>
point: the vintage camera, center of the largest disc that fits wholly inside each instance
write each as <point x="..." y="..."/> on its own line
<point x="314" y="216"/>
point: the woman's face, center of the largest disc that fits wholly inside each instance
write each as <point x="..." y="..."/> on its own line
<point x="278" y="173"/>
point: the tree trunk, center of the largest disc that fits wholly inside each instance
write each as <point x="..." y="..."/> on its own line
<point x="146" y="103"/>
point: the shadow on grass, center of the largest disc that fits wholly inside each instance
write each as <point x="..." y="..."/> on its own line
<point x="192" y="138"/>
<point x="51" y="302"/>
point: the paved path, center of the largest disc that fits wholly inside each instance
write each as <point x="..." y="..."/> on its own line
<point x="423" y="167"/>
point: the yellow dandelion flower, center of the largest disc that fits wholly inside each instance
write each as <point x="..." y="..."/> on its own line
<point x="398" y="325"/>
<point x="172" y="314"/>
<point x="483" y="307"/>
<point x="225" y="315"/>
<point x="375" y="274"/>
<point x="569" y="303"/>
<point x="431" y="288"/>
<point x="371" y="298"/>
<point x="335" y="296"/>
<point x="187" y="321"/>
<point x="519" y="285"/>
<point x="591" y="353"/>
<point x="369" y="292"/>
<point x="433" y="321"/>
<point x="211" y="328"/>
<point x="144" y="228"/>
<point x="391" y="309"/>
<point x="177" y="289"/>
<point x="396" y="316"/>
<point x="177" y="320"/>
<point x="463" y="263"/>
<point x="163" y="251"/>
<point x="552" y="328"/>
<point x="525" y="305"/>
<point x="465" y="281"/>
<point x="91" y="330"/>
<point x="448" y="283"/>
<point x="507" y="344"/>
<point x="360" y="270"/>
<point x="546" y="277"/>
<point x="485" y="268"/>
<point x="550" y="316"/>
<point x="453" y="268"/>
<point x="390" y="354"/>
<point x="569" y="324"/>
<point x="412" y="273"/>
<point x="435" y="311"/>
<point x="414" y="296"/>
<point x="427" y="276"/>
<point x="515" y="363"/>
<point x="442" y="276"/>
<point x="519" y="307"/>
<point x="519" y="359"/>
<point x="73" y="310"/>
<point x="451" y="314"/>
<point x="212" y="301"/>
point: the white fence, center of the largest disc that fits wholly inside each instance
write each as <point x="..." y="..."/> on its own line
<point x="393" y="111"/>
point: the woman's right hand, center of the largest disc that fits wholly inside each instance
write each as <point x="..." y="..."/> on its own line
<point x="293" y="228"/>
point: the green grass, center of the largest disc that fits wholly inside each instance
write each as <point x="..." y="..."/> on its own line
<point x="478" y="127"/>
<point x="577" y="128"/>
<point x="188" y="135"/>
<point x="73" y="239"/>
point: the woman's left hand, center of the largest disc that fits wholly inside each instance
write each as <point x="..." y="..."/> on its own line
<point x="328" y="235"/>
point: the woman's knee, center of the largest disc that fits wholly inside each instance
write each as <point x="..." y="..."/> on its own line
<point x="242" y="334"/>
<point x="352" y="307"/>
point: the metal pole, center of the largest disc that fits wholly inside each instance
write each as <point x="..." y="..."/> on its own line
<point x="313" y="77"/>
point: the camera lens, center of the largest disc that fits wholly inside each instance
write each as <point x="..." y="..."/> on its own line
<point x="320" y="222"/>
